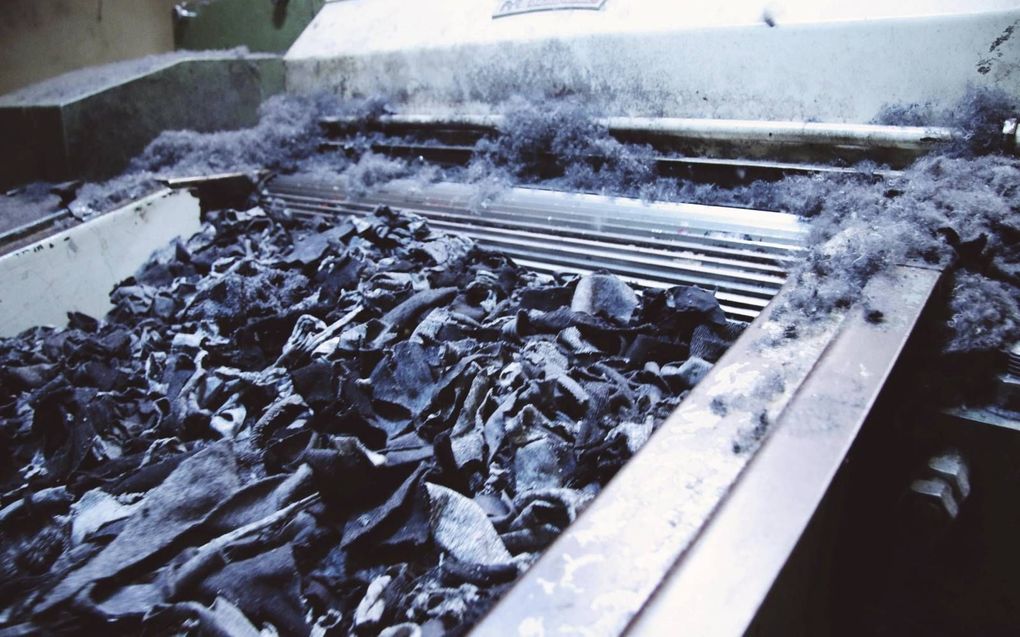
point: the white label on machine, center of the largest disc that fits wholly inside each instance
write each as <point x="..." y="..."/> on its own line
<point x="514" y="7"/>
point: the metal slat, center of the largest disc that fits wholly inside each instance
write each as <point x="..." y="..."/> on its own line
<point x="740" y="304"/>
<point x="742" y="255"/>
<point x="33" y="227"/>
<point x="664" y="235"/>
<point x="714" y="278"/>
<point x="748" y="311"/>
<point x="734" y="303"/>
<point x="751" y="259"/>
<point x="763" y="269"/>
<point x="581" y="261"/>
<point x="448" y="195"/>
<point x="553" y="249"/>
<point x="771" y="229"/>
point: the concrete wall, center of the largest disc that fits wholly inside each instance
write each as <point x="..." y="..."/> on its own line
<point x="260" y="25"/>
<point x="43" y="38"/>
<point x="93" y="128"/>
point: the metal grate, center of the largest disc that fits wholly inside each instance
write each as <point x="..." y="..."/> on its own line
<point x="743" y="256"/>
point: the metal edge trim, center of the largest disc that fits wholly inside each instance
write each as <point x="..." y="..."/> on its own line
<point x="721" y="581"/>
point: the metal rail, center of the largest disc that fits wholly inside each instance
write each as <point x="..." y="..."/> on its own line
<point x="742" y="255"/>
<point x="719" y="130"/>
<point x="720" y="172"/>
<point x="802" y="141"/>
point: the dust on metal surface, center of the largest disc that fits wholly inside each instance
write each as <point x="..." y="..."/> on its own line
<point x="724" y="577"/>
<point x="516" y="7"/>
<point x="74" y="270"/>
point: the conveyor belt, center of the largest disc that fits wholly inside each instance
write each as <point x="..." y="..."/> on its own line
<point x="741" y="255"/>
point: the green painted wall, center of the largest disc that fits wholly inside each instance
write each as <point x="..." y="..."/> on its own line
<point x="261" y="25"/>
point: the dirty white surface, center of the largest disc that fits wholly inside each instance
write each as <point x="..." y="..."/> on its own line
<point x="76" y="269"/>
<point x="829" y="60"/>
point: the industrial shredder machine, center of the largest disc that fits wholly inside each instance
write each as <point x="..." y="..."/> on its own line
<point x="699" y="532"/>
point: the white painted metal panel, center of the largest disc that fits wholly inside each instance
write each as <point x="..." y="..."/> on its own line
<point x="76" y="269"/>
<point x="830" y="61"/>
